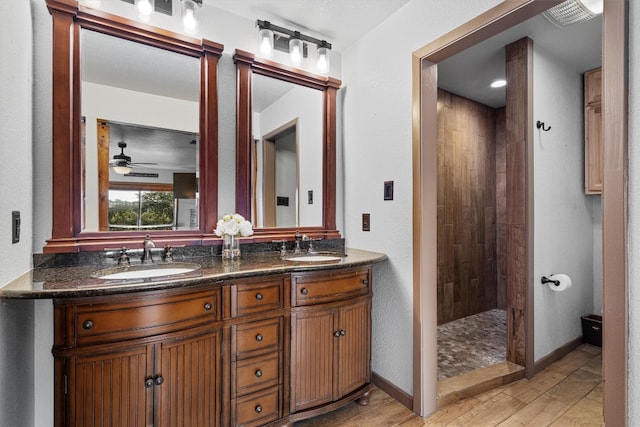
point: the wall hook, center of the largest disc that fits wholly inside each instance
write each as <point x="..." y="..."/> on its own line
<point x="540" y="125"/>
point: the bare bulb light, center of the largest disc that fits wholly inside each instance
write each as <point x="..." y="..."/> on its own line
<point x="189" y="15"/>
<point x="266" y="42"/>
<point x="498" y="83"/>
<point x="323" y="60"/>
<point x="145" y="7"/>
<point x="296" y="50"/>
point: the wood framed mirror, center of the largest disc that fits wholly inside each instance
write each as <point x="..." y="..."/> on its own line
<point x="309" y="126"/>
<point x="75" y="193"/>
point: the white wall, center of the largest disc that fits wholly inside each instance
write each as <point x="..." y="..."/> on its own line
<point x="633" y="256"/>
<point x="16" y="183"/>
<point x="563" y="227"/>
<point x="377" y="148"/>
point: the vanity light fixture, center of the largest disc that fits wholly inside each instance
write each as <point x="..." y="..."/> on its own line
<point x="498" y="83"/>
<point x="292" y="42"/>
<point x="190" y="14"/>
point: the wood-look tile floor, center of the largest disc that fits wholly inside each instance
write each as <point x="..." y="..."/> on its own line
<point x="567" y="393"/>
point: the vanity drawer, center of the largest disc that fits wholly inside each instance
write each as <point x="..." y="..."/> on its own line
<point x="251" y="339"/>
<point x="258" y="408"/>
<point x="134" y="316"/>
<point x="318" y="288"/>
<point x="257" y="373"/>
<point x="256" y="297"/>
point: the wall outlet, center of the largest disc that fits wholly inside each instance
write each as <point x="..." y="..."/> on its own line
<point x="366" y="222"/>
<point x="15" y="226"/>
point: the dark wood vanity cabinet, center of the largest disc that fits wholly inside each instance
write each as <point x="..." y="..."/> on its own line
<point x="152" y="358"/>
<point x="330" y="337"/>
<point x="267" y="350"/>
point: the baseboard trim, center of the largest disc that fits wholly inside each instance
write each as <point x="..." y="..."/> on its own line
<point x="392" y="390"/>
<point x="557" y="354"/>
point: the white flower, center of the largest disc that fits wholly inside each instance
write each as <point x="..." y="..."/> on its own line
<point x="233" y="224"/>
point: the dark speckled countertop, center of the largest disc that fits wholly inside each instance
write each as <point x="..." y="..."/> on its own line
<point x="77" y="281"/>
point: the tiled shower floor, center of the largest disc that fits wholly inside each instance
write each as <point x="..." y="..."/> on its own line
<point x="472" y="342"/>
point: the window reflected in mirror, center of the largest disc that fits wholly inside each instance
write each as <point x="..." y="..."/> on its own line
<point x="286" y="157"/>
<point x="140" y="108"/>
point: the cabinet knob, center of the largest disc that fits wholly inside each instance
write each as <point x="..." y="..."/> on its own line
<point x="343" y="332"/>
<point x="159" y="380"/>
<point x="365" y="281"/>
<point x="148" y="383"/>
<point x="259" y="296"/>
<point x="258" y="409"/>
<point x="207" y="306"/>
<point x="259" y="373"/>
<point x="336" y="334"/>
<point x="304" y="291"/>
<point x="259" y="337"/>
<point x="87" y="325"/>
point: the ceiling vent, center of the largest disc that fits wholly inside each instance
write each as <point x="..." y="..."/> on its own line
<point x="571" y="12"/>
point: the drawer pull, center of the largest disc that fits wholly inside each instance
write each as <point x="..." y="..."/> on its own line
<point x="304" y="291"/>
<point x="87" y="325"/>
<point x="148" y="383"/>
<point x="259" y="296"/>
<point x="258" y="409"/>
<point x="365" y="281"/>
<point x="159" y="380"/>
<point x="259" y="337"/>
<point x="207" y="306"/>
<point x="259" y="373"/>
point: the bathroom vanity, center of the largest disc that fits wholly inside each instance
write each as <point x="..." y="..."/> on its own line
<point x="256" y="341"/>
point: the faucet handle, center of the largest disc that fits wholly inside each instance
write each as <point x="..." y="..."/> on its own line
<point x="167" y="255"/>
<point x="124" y="256"/>
<point x="283" y="246"/>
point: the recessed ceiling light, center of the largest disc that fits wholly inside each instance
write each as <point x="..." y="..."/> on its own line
<point x="498" y="83"/>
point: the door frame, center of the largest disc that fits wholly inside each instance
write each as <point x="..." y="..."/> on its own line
<point x="615" y="159"/>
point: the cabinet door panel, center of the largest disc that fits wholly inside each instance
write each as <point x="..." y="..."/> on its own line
<point x="354" y="347"/>
<point x="311" y="358"/>
<point x="109" y="389"/>
<point x="190" y="373"/>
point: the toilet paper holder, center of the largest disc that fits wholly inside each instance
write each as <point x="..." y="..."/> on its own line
<point x="544" y="280"/>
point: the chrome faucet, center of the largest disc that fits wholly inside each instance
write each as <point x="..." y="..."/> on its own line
<point x="146" y="254"/>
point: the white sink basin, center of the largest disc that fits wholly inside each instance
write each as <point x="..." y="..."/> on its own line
<point x="314" y="258"/>
<point x="145" y="271"/>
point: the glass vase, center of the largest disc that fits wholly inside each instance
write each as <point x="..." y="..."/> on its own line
<point x="230" y="247"/>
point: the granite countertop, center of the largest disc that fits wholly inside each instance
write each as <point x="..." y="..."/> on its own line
<point x="77" y="281"/>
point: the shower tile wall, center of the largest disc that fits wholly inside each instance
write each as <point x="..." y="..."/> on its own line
<point x="467" y="257"/>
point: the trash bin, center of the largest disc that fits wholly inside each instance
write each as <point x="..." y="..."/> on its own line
<point x="592" y="329"/>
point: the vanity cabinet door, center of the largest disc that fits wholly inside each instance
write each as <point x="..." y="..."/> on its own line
<point x="189" y="390"/>
<point x="354" y="346"/>
<point x="312" y="358"/>
<point x="108" y="389"/>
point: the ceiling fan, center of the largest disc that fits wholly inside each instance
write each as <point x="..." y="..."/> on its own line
<point x="122" y="163"/>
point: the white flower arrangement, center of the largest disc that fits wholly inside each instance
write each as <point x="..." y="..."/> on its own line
<point x="232" y="225"/>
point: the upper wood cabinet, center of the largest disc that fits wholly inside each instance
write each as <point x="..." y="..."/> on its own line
<point x="593" y="131"/>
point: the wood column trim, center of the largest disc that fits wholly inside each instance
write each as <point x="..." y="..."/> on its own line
<point x="519" y="108"/>
<point x="244" y="136"/>
<point x="614" y="203"/>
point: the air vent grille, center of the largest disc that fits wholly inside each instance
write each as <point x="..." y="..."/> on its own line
<point x="567" y="13"/>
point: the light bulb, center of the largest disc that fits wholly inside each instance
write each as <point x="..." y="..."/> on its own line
<point x="323" y="60"/>
<point x="295" y="51"/>
<point x="266" y="42"/>
<point x="498" y="83"/>
<point x="189" y="18"/>
<point x="145" y="7"/>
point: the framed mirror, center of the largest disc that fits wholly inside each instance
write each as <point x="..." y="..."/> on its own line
<point x="128" y="134"/>
<point x="285" y="149"/>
